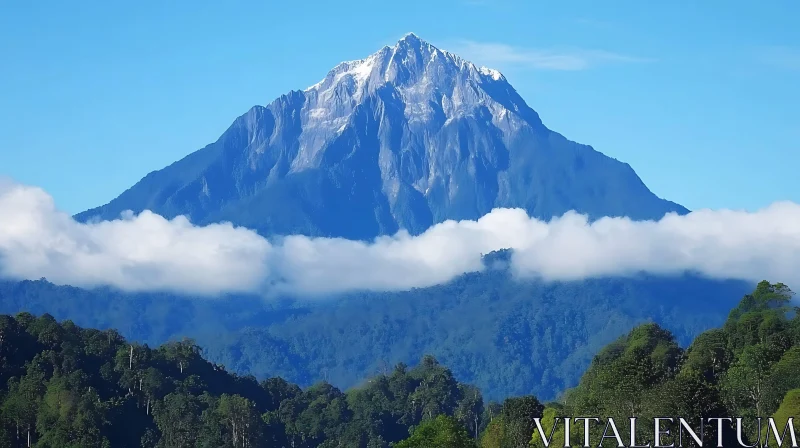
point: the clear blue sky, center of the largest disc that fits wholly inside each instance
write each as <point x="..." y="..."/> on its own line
<point x="701" y="98"/>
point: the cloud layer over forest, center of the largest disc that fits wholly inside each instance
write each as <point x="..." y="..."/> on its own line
<point x="148" y="252"/>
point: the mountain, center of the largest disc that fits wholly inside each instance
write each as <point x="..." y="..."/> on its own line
<point x="406" y="138"/>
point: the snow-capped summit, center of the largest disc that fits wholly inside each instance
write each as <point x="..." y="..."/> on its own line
<point x="410" y="59"/>
<point x="429" y="84"/>
<point x="407" y="137"/>
<point x="418" y="71"/>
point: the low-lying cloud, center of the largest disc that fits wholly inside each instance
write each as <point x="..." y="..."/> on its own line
<point x="147" y="252"/>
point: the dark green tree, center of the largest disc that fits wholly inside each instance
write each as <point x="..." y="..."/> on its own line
<point x="178" y="419"/>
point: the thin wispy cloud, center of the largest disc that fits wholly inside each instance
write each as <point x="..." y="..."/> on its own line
<point x="594" y="23"/>
<point x="782" y="57"/>
<point x="148" y="252"/>
<point x="507" y="56"/>
<point x="489" y="3"/>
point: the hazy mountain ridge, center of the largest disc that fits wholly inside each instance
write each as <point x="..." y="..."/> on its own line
<point x="508" y="337"/>
<point x="408" y="137"/>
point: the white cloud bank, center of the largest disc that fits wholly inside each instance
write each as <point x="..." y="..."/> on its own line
<point x="148" y="252"/>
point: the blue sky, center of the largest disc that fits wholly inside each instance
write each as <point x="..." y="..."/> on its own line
<point x="701" y="98"/>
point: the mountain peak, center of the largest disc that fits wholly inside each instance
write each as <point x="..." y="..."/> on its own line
<point x="427" y="84"/>
<point x="405" y="138"/>
<point x="409" y="61"/>
<point x="411" y="38"/>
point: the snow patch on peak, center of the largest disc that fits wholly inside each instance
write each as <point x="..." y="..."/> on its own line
<point x="494" y="74"/>
<point x="363" y="69"/>
<point x="358" y="70"/>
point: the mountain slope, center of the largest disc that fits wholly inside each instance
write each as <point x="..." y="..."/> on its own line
<point x="406" y="138"/>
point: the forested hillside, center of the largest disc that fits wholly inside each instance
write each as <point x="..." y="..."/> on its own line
<point x="64" y="386"/>
<point x="73" y="387"/>
<point x="743" y="369"/>
<point x="507" y="336"/>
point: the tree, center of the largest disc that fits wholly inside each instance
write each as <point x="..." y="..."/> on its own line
<point x="153" y="385"/>
<point x="790" y="407"/>
<point x="71" y="414"/>
<point x="440" y="432"/>
<point x="14" y="344"/>
<point x="182" y="352"/>
<point x="548" y="422"/>
<point x="470" y="408"/>
<point x="241" y="420"/>
<point x="494" y="434"/>
<point x="279" y="390"/>
<point x="178" y="419"/>
<point x="23" y="400"/>
<point x="759" y="317"/>
<point x="745" y="383"/>
<point x="437" y="393"/>
<point x="690" y="395"/>
<point x="518" y="420"/>
<point x="616" y="383"/>
<point x="709" y="354"/>
<point x="783" y="377"/>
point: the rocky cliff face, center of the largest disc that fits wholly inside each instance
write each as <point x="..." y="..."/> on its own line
<point x="406" y="138"/>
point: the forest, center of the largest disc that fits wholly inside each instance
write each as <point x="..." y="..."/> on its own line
<point x="506" y="335"/>
<point x="64" y="386"/>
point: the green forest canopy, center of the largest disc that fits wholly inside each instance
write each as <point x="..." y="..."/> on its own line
<point x="64" y="386"/>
